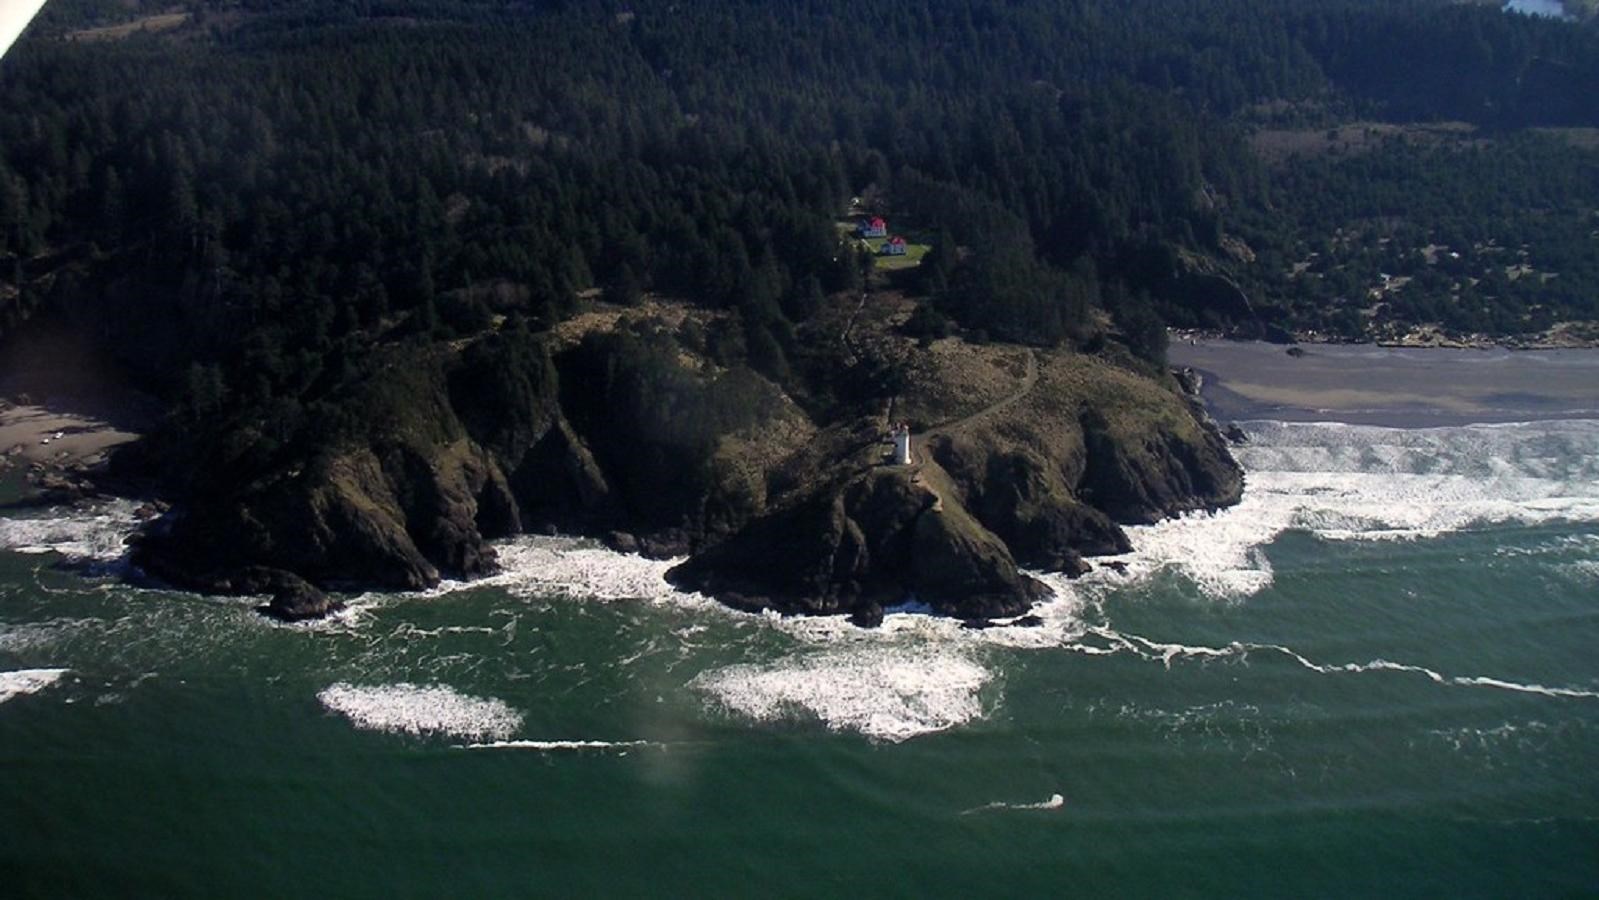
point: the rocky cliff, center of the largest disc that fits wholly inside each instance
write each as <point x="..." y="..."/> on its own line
<point x="627" y="431"/>
<point x="1023" y="459"/>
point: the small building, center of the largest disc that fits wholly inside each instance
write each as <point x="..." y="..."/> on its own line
<point x="902" y="444"/>
<point x="894" y="246"/>
<point x="874" y="227"/>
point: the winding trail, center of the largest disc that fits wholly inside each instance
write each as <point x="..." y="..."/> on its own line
<point x="1029" y="381"/>
<point x="849" y="324"/>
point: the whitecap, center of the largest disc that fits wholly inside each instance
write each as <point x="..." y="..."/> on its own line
<point x="94" y="533"/>
<point x="1055" y="801"/>
<point x="548" y="746"/>
<point x="422" y="709"/>
<point x="27" y="681"/>
<point x="543" y="566"/>
<point x="1364" y="483"/>
<point x="888" y="694"/>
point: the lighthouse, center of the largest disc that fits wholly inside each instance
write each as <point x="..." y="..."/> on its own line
<point x="902" y="444"/>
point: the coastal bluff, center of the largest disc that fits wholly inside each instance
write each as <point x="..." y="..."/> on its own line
<point x="624" y="428"/>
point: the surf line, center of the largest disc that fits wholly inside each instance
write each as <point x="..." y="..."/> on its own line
<point x="559" y="745"/>
<point x="1165" y="652"/>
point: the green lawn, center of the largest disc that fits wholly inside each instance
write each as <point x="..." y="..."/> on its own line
<point x="913" y="251"/>
<point x="912" y="258"/>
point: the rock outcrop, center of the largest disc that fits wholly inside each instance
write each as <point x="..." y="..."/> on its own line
<point x="418" y="499"/>
<point x="1093" y="446"/>
<point x="880" y="538"/>
<point x="629" y="435"/>
<point x="1038" y="477"/>
<point x="296" y="600"/>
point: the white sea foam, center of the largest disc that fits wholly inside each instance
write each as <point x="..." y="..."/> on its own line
<point x="888" y="694"/>
<point x="919" y="674"/>
<point x="549" y="746"/>
<point x="1055" y="801"/>
<point x="1239" y="652"/>
<point x="1061" y="623"/>
<point x="1349" y="482"/>
<point x="27" y="681"/>
<point x="891" y="683"/>
<point x="572" y="567"/>
<point x="422" y="709"/>
<point x="93" y="533"/>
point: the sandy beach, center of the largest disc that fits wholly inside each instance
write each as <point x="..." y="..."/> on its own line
<point x="63" y="409"/>
<point x="1389" y="386"/>
<point x="35" y="434"/>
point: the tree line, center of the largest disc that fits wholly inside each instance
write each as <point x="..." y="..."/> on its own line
<point x="245" y="206"/>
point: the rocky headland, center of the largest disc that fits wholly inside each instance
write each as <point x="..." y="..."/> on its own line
<point x="621" y="426"/>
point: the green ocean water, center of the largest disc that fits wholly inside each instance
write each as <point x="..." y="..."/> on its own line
<point x="1378" y="675"/>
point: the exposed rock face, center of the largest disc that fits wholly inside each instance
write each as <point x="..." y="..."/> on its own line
<point x="387" y="518"/>
<point x="1027" y="495"/>
<point x="419" y="501"/>
<point x="875" y="540"/>
<point x="295" y="600"/>
<point x="1090" y="448"/>
<point x="1037" y="477"/>
<point x="465" y="450"/>
<point x="629" y="436"/>
<point x="1141" y="479"/>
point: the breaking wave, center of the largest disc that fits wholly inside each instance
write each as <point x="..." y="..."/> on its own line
<point x="1361" y="483"/>
<point x="27" y="681"/>
<point x="550" y="746"/>
<point x="918" y="674"/>
<point x="1055" y="801"/>
<point x="93" y="533"/>
<point x="539" y="566"/>
<point x="422" y="710"/>
<point x="887" y="694"/>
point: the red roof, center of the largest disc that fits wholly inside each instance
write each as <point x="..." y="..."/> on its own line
<point x="877" y="222"/>
<point x="896" y="239"/>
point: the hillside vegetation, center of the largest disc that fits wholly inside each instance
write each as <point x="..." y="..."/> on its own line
<point x="345" y="242"/>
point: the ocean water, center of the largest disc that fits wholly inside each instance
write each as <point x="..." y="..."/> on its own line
<point x="1379" y="674"/>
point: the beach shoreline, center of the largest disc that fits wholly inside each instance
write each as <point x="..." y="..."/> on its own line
<point x="1397" y="387"/>
<point x="1564" y="336"/>
<point x="37" y="434"/>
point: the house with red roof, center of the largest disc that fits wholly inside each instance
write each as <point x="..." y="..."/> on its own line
<point x="894" y="246"/>
<point x="874" y="227"/>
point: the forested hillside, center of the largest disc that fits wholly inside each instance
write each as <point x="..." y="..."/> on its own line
<point x="246" y="202"/>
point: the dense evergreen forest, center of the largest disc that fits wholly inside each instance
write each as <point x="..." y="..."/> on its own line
<point x="248" y="201"/>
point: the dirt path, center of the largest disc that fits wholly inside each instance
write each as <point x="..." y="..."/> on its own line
<point x="849" y="324"/>
<point x="1029" y="380"/>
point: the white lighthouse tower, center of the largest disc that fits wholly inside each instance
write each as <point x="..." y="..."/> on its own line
<point x="902" y="444"/>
